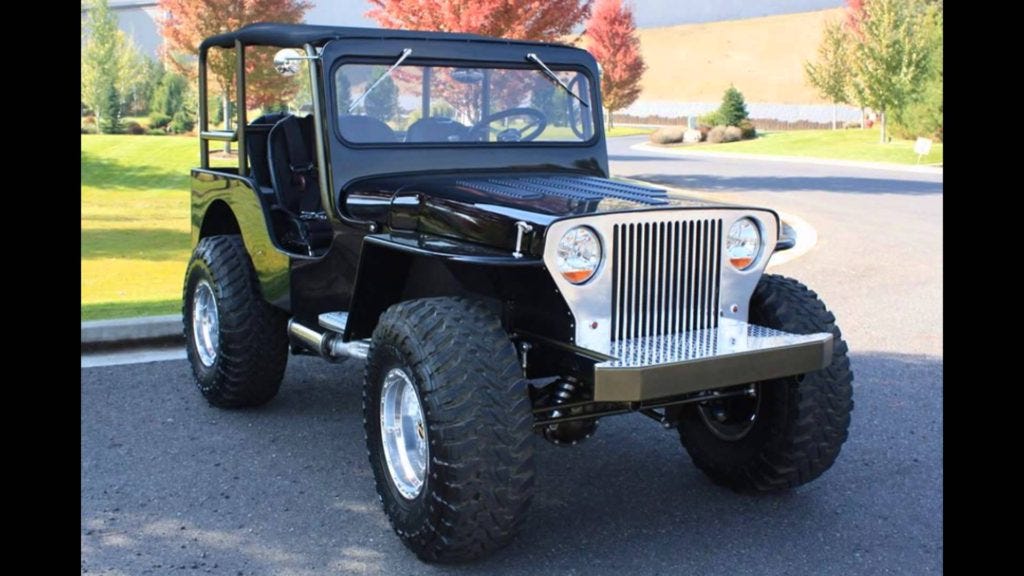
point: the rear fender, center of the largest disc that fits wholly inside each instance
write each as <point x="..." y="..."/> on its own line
<point x="225" y="203"/>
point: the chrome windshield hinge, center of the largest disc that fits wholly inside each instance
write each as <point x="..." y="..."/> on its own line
<point x="522" y="228"/>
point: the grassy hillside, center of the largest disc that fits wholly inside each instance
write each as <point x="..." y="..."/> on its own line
<point x="762" y="57"/>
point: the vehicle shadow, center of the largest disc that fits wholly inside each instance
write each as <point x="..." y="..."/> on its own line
<point x="169" y="481"/>
<point x="154" y="244"/>
<point x="640" y="158"/>
<point x="101" y="173"/>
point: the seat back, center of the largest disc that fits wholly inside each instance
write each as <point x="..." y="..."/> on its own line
<point x="293" y="172"/>
<point x="437" y="129"/>
<point x="256" y="134"/>
<point x="365" y="129"/>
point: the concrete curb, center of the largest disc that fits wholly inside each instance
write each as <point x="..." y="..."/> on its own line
<point x="645" y="147"/>
<point x="124" y="331"/>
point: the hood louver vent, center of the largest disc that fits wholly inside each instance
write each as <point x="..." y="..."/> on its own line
<point x="583" y="189"/>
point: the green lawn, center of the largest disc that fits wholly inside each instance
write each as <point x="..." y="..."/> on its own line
<point x="627" y="131"/>
<point x="135" y="223"/>
<point x="835" y="144"/>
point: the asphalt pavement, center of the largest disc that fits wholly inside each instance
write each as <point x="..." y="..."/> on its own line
<point x="170" y="484"/>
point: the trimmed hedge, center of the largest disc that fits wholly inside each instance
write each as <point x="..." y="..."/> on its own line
<point x="748" y="129"/>
<point x="133" y="128"/>
<point x="158" y="120"/>
<point x="668" y="135"/>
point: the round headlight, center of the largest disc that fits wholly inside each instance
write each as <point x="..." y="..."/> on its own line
<point x="744" y="243"/>
<point x="579" y="254"/>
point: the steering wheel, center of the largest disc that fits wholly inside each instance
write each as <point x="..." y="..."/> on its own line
<point x="537" y="125"/>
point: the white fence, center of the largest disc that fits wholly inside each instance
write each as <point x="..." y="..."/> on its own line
<point x="783" y="112"/>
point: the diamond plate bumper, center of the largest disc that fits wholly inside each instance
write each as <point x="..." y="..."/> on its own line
<point x="734" y="353"/>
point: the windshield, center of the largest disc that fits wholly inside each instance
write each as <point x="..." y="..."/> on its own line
<point x="446" y="104"/>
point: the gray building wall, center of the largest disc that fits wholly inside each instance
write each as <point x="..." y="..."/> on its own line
<point x="138" y="20"/>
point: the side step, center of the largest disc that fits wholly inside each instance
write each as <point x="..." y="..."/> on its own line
<point x="334" y="321"/>
<point x="328" y="344"/>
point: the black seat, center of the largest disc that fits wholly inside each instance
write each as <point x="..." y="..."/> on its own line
<point x="256" y="135"/>
<point x="365" y="129"/>
<point x="437" y="129"/>
<point x="294" y="176"/>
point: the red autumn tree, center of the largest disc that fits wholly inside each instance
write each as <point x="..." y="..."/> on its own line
<point x="546" y="20"/>
<point x="611" y="37"/>
<point x="520" y="19"/>
<point x="187" y="22"/>
<point x="855" y="14"/>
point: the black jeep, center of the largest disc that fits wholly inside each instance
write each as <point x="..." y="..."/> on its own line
<point x="442" y="209"/>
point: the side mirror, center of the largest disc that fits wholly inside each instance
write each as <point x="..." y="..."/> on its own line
<point x="467" y="75"/>
<point x="286" y="61"/>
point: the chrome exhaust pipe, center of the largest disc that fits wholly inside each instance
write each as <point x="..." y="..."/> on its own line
<point x="307" y="337"/>
<point x="327" y="344"/>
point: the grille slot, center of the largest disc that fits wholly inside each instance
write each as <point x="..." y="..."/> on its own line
<point x="665" y="277"/>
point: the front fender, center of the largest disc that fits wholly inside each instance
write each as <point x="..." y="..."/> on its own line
<point x="400" y="266"/>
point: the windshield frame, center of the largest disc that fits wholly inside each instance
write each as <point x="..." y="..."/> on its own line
<point x="427" y="60"/>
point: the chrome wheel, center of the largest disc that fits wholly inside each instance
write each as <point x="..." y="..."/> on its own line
<point x="205" y="323"/>
<point x="403" y="431"/>
<point x="731" y="418"/>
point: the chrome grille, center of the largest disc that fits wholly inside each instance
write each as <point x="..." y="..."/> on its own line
<point x="665" y="277"/>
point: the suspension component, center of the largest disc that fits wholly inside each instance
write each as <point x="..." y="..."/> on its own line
<point x="573" y="432"/>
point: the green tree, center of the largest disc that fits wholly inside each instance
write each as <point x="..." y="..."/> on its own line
<point x="733" y="109"/>
<point x="130" y="69"/>
<point x="382" y="102"/>
<point x="112" y="67"/>
<point x="831" y="73"/>
<point x="169" y="96"/>
<point x="923" y="115"/>
<point x="99" y="60"/>
<point x="185" y="118"/>
<point x="108" y="111"/>
<point x="890" y="62"/>
<point x="152" y="72"/>
<point x="189" y="112"/>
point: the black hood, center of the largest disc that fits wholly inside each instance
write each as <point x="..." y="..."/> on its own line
<point x="484" y="208"/>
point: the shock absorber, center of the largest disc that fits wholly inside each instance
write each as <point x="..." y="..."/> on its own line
<point x="572" y="433"/>
<point x="564" y="391"/>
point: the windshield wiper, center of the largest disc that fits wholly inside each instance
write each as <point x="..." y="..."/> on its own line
<point x="554" y="77"/>
<point x="387" y="73"/>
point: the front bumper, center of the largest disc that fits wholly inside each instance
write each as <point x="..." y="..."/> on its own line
<point x="734" y="353"/>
